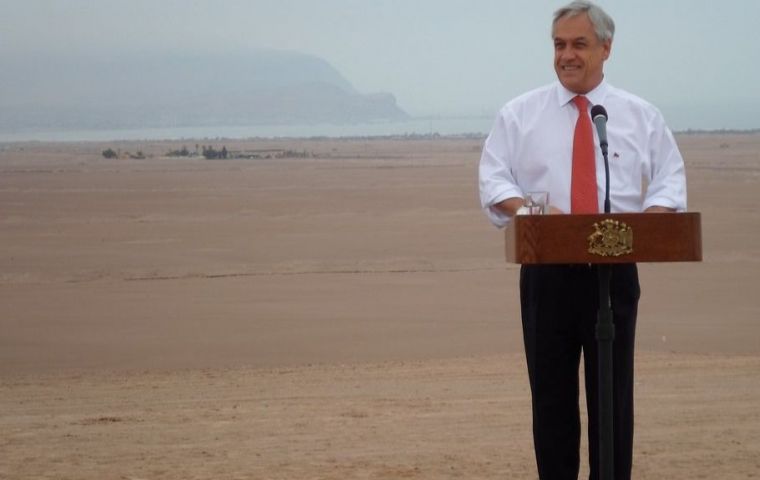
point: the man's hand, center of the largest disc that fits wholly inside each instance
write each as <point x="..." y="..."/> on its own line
<point x="659" y="209"/>
<point x="510" y="205"/>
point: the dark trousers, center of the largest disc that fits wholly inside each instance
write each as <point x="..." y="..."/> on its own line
<point x="559" y="311"/>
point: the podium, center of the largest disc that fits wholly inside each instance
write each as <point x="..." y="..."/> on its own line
<point x="604" y="239"/>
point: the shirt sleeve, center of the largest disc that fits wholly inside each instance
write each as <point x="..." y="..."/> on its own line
<point x="497" y="182"/>
<point x="667" y="182"/>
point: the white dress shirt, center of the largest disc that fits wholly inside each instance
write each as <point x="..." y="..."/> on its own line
<point x="530" y="149"/>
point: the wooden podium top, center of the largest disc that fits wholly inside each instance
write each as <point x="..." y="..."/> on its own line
<point x="605" y="238"/>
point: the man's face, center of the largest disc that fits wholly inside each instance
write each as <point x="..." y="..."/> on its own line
<point x="578" y="54"/>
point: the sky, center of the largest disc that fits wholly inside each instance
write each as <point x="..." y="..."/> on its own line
<point x="697" y="60"/>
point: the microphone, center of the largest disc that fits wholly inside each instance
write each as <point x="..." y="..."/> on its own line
<point x="599" y="117"/>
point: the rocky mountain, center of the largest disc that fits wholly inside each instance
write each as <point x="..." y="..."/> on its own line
<point x="259" y="87"/>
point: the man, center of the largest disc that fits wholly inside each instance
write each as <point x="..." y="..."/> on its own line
<point x="543" y="141"/>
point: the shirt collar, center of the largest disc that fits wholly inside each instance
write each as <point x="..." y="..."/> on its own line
<point x="595" y="96"/>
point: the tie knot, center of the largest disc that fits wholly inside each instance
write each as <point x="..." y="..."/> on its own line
<point x="581" y="103"/>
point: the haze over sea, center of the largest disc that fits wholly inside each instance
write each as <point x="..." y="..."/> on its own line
<point x="413" y="126"/>
<point x="420" y="126"/>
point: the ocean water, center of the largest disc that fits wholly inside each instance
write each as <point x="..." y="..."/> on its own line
<point x="416" y="126"/>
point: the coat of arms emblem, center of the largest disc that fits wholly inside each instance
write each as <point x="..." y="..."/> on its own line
<point x="611" y="238"/>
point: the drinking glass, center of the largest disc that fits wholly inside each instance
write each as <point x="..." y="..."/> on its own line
<point x="537" y="202"/>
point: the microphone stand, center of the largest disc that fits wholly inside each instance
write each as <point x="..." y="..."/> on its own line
<point x="605" y="336"/>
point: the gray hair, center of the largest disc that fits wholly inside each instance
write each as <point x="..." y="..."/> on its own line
<point x="604" y="27"/>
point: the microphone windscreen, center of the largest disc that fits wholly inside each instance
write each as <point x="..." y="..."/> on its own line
<point x="598" y="110"/>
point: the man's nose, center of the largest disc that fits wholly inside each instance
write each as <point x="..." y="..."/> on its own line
<point x="566" y="53"/>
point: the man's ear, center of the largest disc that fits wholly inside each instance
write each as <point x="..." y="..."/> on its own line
<point x="607" y="46"/>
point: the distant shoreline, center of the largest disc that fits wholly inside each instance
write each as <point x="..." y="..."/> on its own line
<point x="722" y="131"/>
<point x="421" y="128"/>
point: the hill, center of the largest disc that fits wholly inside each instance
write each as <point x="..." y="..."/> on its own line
<point x="259" y="87"/>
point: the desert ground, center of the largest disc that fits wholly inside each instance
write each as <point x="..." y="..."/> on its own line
<point x="341" y="312"/>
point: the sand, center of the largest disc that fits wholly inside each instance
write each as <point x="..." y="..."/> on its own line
<point x="344" y="315"/>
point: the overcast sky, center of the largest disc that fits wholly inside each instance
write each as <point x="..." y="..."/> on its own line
<point x="697" y="60"/>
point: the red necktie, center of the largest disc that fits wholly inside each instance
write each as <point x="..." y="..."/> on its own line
<point x="583" y="196"/>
